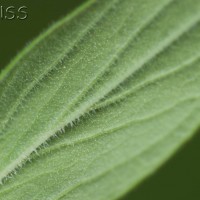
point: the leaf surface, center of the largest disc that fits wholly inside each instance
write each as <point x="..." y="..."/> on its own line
<point x="136" y="64"/>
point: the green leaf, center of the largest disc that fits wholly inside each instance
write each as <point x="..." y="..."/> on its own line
<point x="136" y="64"/>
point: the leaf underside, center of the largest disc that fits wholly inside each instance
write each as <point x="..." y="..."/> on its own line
<point x="124" y="75"/>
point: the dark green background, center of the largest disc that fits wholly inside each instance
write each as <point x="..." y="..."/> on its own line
<point x="15" y="34"/>
<point x="179" y="178"/>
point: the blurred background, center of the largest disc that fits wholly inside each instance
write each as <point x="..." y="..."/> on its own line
<point x="15" y="33"/>
<point x="179" y="178"/>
